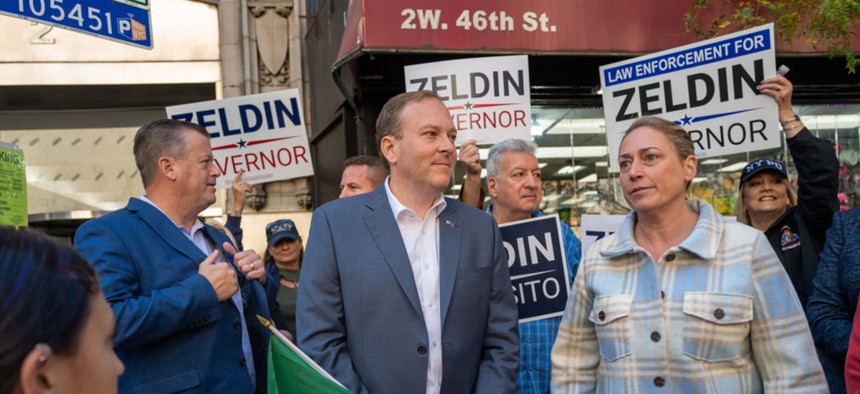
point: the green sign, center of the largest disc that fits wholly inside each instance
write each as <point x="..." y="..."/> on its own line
<point x="13" y="186"/>
<point x="143" y="4"/>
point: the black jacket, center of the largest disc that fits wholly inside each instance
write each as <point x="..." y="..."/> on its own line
<point x="798" y="235"/>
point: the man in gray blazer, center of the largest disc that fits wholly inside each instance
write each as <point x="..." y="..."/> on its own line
<point x="403" y="290"/>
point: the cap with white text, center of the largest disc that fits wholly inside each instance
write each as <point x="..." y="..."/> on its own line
<point x="760" y="165"/>
<point x="280" y="230"/>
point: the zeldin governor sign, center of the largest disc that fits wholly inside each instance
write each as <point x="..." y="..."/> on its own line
<point x="125" y="21"/>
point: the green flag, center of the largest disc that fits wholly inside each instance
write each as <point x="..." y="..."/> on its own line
<point x="292" y="372"/>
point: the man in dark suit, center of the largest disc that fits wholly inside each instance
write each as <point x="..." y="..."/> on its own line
<point x="403" y="290"/>
<point x="184" y="299"/>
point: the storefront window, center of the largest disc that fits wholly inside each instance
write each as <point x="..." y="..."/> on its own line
<point x="577" y="178"/>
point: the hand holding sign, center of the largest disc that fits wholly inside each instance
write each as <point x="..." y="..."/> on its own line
<point x="470" y="156"/>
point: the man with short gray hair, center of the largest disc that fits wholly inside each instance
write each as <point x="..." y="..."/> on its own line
<point x="514" y="184"/>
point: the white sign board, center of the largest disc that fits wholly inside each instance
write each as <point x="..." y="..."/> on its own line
<point x="488" y="97"/>
<point x="595" y="227"/>
<point x="708" y="88"/>
<point x="262" y="134"/>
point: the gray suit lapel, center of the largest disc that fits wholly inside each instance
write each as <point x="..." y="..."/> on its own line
<point x="383" y="228"/>
<point x="450" y="234"/>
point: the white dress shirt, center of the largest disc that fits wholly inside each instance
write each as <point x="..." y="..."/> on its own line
<point x="421" y="239"/>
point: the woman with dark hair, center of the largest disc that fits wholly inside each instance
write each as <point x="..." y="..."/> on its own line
<point x="680" y="300"/>
<point x="56" y="328"/>
<point x="283" y="258"/>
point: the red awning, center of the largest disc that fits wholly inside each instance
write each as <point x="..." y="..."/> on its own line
<point x="515" y="26"/>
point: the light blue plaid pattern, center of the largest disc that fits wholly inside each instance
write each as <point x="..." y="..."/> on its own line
<point x="716" y="314"/>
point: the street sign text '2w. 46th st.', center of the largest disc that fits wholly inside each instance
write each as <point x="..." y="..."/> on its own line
<point x="125" y="21"/>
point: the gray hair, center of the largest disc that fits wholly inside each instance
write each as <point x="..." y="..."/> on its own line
<point x="509" y="145"/>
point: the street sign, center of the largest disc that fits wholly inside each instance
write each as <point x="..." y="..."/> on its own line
<point x="144" y="4"/>
<point x="120" y="22"/>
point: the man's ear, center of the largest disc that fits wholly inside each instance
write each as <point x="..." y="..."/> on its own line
<point x="388" y="147"/>
<point x="167" y="167"/>
<point x="491" y="187"/>
<point x="33" y="377"/>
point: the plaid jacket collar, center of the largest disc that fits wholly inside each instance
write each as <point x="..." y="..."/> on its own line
<point x="704" y="241"/>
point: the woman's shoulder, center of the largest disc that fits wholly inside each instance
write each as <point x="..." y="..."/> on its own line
<point x="851" y="216"/>
<point x="739" y="229"/>
<point x="846" y="225"/>
<point x="739" y="237"/>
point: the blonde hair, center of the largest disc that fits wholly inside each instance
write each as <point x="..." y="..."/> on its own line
<point x="741" y="211"/>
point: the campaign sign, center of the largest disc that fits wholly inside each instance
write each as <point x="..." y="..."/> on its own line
<point x="596" y="227"/>
<point x="537" y="265"/>
<point x="488" y="97"/>
<point x="112" y="20"/>
<point x="262" y="134"/>
<point x="708" y="88"/>
<point x="13" y="186"/>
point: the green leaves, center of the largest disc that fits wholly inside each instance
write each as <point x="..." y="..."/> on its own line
<point x="824" y="24"/>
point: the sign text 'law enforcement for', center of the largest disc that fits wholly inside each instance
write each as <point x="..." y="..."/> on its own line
<point x="708" y="88"/>
<point x="537" y="265"/>
<point x="261" y="134"/>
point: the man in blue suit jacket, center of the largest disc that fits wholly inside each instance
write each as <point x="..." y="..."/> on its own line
<point x="403" y="290"/>
<point x="184" y="299"/>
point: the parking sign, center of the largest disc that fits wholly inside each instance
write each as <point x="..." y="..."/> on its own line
<point x="127" y="22"/>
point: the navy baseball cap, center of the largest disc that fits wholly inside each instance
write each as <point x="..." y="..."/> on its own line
<point x="760" y="165"/>
<point x="280" y="230"/>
